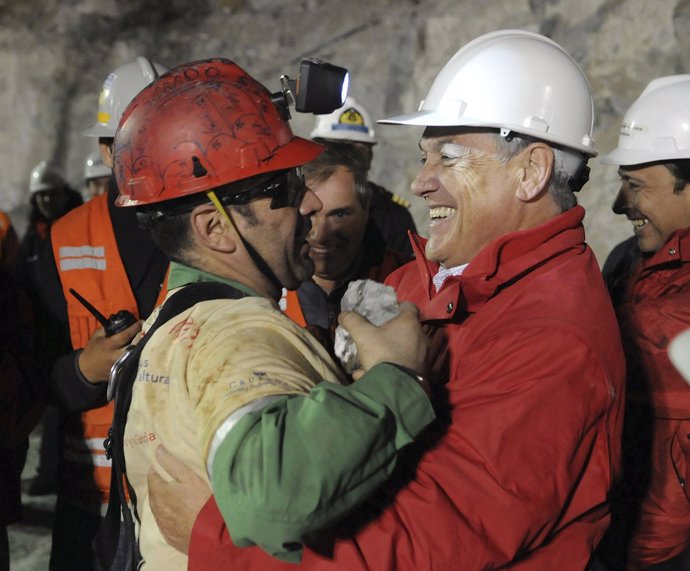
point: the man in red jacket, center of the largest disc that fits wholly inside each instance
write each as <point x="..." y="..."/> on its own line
<point x="649" y="279"/>
<point x="526" y="358"/>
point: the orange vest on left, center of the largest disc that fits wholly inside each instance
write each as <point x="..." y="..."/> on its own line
<point x="88" y="260"/>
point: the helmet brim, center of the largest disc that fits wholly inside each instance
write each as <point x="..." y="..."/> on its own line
<point x="98" y="130"/>
<point x="297" y="152"/>
<point x="436" y="119"/>
<point x="628" y="157"/>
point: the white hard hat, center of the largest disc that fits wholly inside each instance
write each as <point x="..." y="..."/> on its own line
<point x="351" y="122"/>
<point x="516" y="81"/>
<point x="94" y="167"/>
<point x="119" y="88"/>
<point x="679" y="353"/>
<point x="657" y="125"/>
<point x="45" y="176"/>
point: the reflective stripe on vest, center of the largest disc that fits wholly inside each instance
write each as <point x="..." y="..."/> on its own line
<point x="81" y="258"/>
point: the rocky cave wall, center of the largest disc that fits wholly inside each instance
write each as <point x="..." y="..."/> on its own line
<point x="54" y="56"/>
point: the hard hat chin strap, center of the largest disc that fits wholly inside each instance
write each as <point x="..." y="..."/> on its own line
<point x="258" y="260"/>
<point x="580" y="178"/>
<point x="213" y="197"/>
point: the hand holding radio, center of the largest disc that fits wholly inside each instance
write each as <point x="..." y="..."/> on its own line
<point x="106" y="344"/>
<point x="101" y="352"/>
<point x="114" y="324"/>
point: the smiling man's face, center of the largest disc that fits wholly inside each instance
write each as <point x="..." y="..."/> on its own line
<point x="648" y="199"/>
<point x="469" y="191"/>
<point x="337" y="233"/>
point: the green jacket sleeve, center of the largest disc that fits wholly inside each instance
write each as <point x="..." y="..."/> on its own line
<point x="304" y="461"/>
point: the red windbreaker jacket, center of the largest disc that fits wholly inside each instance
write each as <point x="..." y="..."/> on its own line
<point x="529" y="374"/>
<point x="656" y="308"/>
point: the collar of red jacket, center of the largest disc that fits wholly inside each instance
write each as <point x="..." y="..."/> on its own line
<point x="677" y="249"/>
<point x="500" y="262"/>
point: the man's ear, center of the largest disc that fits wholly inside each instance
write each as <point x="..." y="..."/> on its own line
<point x="536" y="167"/>
<point x="212" y="230"/>
<point x="105" y="146"/>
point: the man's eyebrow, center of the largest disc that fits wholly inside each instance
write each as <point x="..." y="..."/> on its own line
<point x="438" y="143"/>
<point x="625" y="175"/>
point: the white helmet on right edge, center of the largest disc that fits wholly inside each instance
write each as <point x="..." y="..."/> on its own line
<point x="119" y="88"/>
<point x="679" y="353"/>
<point x="657" y="125"/>
<point x="516" y="81"/>
<point x="351" y="122"/>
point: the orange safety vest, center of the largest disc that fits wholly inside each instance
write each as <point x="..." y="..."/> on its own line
<point x="88" y="260"/>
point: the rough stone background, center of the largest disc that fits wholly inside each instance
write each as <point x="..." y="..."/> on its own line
<point x="55" y="54"/>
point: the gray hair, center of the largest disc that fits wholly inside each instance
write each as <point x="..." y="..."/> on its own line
<point x="559" y="185"/>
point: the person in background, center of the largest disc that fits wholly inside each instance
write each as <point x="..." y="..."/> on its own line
<point x="525" y="361"/>
<point x="51" y="198"/>
<point x="352" y="126"/>
<point x="99" y="251"/>
<point x="343" y="242"/>
<point x="96" y="176"/>
<point x="649" y="280"/>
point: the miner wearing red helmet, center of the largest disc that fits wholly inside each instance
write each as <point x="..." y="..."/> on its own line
<point x="246" y="398"/>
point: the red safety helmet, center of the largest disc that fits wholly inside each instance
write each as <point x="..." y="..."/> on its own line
<point x="201" y="125"/>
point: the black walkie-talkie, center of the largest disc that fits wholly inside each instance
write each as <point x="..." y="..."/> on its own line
<point x="115" y="323"/>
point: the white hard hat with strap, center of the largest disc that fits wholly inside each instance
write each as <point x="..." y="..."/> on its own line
<point x="515" y="81"/>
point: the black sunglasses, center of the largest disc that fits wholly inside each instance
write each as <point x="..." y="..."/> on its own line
<point x="286" y="190"/>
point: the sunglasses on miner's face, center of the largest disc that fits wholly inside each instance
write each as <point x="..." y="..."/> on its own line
<point x="286" y="190"/>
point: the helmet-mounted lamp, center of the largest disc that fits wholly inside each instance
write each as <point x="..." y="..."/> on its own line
<point x="320" y="88"/>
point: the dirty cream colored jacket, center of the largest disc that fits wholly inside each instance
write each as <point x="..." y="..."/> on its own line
<point x="197" y="370"/>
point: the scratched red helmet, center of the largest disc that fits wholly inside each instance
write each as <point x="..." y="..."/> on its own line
<point x="202" y="125"/>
